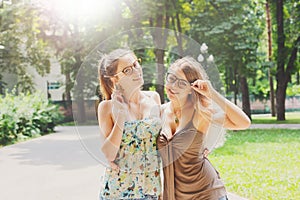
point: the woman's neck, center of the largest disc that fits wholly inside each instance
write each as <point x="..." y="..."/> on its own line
<point x="178" y="108"/>
<point x="178" y="105"/>
<point x="132" y="96"/>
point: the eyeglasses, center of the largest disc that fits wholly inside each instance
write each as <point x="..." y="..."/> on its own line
<point x="181" y="83"/>
<point x="128" y="70"/>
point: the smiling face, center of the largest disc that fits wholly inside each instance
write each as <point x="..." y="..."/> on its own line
<point x="185" y="69"/>
<point x="129" y="72"/>
<point x="177" y="85"/>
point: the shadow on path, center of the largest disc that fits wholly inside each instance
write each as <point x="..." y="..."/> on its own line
<point x="62" y="149"/>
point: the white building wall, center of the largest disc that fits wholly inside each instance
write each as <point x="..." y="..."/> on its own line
<point x="54" y="77"/>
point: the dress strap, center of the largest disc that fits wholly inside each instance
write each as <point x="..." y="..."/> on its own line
<point x="193" y="114"/>
<point x="190" y="123"/>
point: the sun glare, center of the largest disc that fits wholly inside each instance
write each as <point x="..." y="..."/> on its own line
<point x="74" y="9"/>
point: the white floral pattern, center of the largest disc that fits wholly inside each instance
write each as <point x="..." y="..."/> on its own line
<point x="139" y="163"/>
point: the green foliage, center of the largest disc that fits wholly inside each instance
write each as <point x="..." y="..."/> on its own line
<point x="22" y="44"/>
<point x="260" y="85"/>
<point x="232" y="30"/>
<point x="293" y="90"/>
<point x="26" y="115"/>
<point x="260" y="164"/>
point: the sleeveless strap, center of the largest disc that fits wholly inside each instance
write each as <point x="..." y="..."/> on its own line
<point x="193" y="114"/>
<point x="191" y="121"/>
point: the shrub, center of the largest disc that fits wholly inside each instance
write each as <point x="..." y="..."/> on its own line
<point x="26" y="115"/>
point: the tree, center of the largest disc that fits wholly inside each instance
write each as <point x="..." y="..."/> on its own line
<point x="22" y="46"/>
<point x="72" y="39"/>
<point x="162" y="16"/>
<point x="234" y="35"/>
<point x="269" y="28"/>
<point x="288" y="41"/>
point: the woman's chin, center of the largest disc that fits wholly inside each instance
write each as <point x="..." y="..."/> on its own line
<point x="171" y="96"/>
<point x="140" y="83"/>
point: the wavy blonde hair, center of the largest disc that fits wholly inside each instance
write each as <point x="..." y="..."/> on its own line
<point x="193" y="71"/>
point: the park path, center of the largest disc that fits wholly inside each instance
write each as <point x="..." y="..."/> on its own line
<point x="52" y="167"/>
<point x="269" y="126"/>
<point x="58" y="166"/>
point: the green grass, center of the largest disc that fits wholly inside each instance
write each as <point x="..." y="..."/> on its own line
<point x="291" y="118"/>
<point x="260" y="163"/>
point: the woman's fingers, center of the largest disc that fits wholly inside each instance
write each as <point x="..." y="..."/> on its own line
<point x="114" y="166"/>
<point x="202" y="87"/>
<point x="205" y="152"/>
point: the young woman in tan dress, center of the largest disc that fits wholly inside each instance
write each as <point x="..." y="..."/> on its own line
<point x="186" y="119"/>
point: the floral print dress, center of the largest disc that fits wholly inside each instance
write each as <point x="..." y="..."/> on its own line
<point x="139" y="163"/>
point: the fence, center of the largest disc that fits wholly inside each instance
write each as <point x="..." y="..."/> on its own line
<point x="264" y="106"/>
<point x="257" y="107"/>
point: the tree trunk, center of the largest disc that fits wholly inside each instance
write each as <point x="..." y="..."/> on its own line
<point x="159" y="56"/>
<point x="280" y="100"/>
<point x="245" y="96"/>
<point x="280" y="75"/>
<point x="160" y="35"/>
<point x="68" y="87"/>
<point x="235" y="85"/>
<point x="272" y="96"/>
<point x="283" y="76"/>
<point x="178" y="34"/>
<point x="67" y="95"/>
<point x="160" y="68"/>
<point x="81" y="116"/>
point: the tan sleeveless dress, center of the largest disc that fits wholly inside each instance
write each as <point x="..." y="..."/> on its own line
<point x="187" y="174"/>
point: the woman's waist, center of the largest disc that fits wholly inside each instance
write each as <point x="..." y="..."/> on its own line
<point x="139" y="162"/>
<point x="202" y="171"/>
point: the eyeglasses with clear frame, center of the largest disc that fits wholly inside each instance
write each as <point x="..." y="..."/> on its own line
<point x="137" y="64"/>
<point x="181" y="83"/>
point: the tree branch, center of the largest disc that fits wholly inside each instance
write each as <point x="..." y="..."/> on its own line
<point x="292" y="60"/>
<point x="217" y="8"/>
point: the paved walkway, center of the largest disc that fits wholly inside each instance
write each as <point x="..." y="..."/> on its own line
<point x="267" y="126"/>
<point x="64" y="165"/>
<point x="52" y="167"/>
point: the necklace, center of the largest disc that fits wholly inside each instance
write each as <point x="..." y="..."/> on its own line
<point x="176" y="119"/>
<point x="178" y="112"/>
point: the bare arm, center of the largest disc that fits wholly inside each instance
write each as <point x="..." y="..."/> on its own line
<point x="156" y="98"/>
<point x="111" y="129"/>
<point x="234" y="117"/>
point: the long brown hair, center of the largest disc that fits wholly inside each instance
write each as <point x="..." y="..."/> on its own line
<point x="107" y="68"/>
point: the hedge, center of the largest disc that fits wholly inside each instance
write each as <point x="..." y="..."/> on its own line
<point x="26" y="115"/>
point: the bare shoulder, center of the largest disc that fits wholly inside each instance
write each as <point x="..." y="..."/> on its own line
<point x="202" y="120"/>
<point x="152" y="95"/>
<point x="164" y="107"/>
<point x="104" y="106"/>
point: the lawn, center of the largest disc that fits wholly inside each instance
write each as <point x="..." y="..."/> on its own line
<point x="291" y="118"/>
<point x="260" y="163"/>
